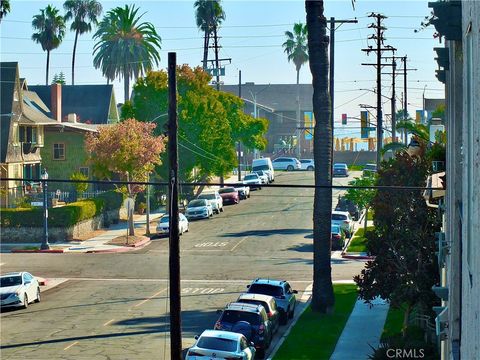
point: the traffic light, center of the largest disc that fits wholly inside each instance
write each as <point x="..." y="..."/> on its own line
<point x="344" y="119"/>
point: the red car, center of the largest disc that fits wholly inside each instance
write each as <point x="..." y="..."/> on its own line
<point x="229" y="195"/>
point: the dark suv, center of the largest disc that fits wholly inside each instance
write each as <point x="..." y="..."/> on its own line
<point x="345" y="204"/>
<point x="236" y="314"/>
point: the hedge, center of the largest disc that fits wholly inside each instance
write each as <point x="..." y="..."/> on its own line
<point x="113" y="199"/>
<point x="64" y="216"/>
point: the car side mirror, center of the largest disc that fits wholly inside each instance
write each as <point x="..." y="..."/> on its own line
<point x="295" y="291"/>
<point x="196" y="337"/>
<point x="219" y="311"/>
<point x="248" y="286"/>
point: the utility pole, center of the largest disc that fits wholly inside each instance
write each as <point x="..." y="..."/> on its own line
<point x="239" y="148"/>
<point x="393" y="99"/>
<point x="174" y="243"/>
<point x="332" y="72"/>
<point x="379" y="49"/>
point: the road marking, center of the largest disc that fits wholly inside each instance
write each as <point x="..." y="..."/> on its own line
<point x="202" y="291"/>
<point x="307" y="293"/>
<point x="212" y="244"/>
<point x="244" y="238"/>
<point x="147" y="299"/>
<point x="209" y="281"/>
<point x="109" y="322"/>
<point x="69" y="346"/>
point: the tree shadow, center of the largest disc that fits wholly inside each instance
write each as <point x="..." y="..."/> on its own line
<point x="267" y="232"/>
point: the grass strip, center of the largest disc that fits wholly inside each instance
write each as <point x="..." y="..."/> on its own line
<point x="393" y="323"/>
<point x="358" y="243"/>
<point x="315" y="335"/>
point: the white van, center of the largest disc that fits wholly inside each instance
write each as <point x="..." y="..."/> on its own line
<point x="266" y="165"/>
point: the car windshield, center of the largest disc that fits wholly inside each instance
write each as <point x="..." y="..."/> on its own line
<point x="198" y="202"/>
<point x="207" y="196"/>
<point x="234" y="316"/>
<point x="250" y="177"/>
<point x="219" y="344"/>
<point x="10" y="281"/>
<point x="370" y="167"/>
<point x="255" y="302"/>
<point x="336" y="229"/>
<point x="227" y="190"/>
<point x="339" y="166"/>
<point x="260" y="167"/>
<point x="259" y="172"/>
<point x="164" y="219"/>
<point x="339" y="217"/>
<point x="266" y="289"/>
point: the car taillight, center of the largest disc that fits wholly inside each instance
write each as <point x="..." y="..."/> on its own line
<point x="218" y="326"/>
<point x="336" y="236"/>
<point x="261" y="329"/>
<point x="345" y="221"/>
<point x="193" y="353"/>
<point x="270" y="314"/>
<point x="233" y="358"/>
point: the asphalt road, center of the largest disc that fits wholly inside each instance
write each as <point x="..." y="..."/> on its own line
<point x="115" y="306"/>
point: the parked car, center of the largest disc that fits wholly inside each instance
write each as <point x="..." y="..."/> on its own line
<point x="263" y="176"/>
<point x="18" y="289"/>
<point x="243" y="192"/>
<point x="281" y="291"/>
<point x="264" y="164"/>
<point x="344" y="220"/>
<point x="198" y="209"/>
<point x="286" y="163"/>
<point x="253" y="181"/>
<point x="215" y="200"/>
<point x="255" y="315"/>
<point x="369" y="169"/>
<point x="338" y="237"/>
<point x="268" y="302"/>
<point x="340" y="169"/>
<point x="217" y="344"/>
<point x="229" y="195"/>
<point x="345" y="204"/>
<point x="307" y="164"/>
<point x="163" y="225"/>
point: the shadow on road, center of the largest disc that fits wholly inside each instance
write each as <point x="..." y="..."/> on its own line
<point x="267" y="232"/>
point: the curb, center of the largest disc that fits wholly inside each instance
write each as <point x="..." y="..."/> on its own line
<point x="357" y="257"/>
<point x="51" y="251"/>
<point x="119" y="249"/>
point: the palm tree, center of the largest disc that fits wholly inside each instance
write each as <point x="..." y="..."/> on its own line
<point x="323" y="299"/>
<point x="209" y="15"/>
<point x="419" y="132"/>
<point x="51" y="30"/>
<point x="297" y="50"/>
<point x="4" y="8"/>
<point x="84" y="13"/>
<point x="125" y="48"/>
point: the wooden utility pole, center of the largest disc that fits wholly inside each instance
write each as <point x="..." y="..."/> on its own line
<point x="239" y="148"/>
<point x="174" y="244"/>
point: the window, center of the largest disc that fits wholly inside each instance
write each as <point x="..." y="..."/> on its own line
<point x="59" y="151"/>
<point x="85" y="171"/>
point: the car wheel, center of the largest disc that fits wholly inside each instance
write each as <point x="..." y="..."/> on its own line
<point x="283" y="318"/>
<point x="37" y="300"/>
<point x="221" y="209"/>
<point x="289" y="168"/>
<point x="25" y="301"/>
<point x="260" y="354"/>
<point x="310" y="168"/>
<point x="248" y="196"/>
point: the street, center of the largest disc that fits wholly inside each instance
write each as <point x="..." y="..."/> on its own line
<point x="115" y="306"/>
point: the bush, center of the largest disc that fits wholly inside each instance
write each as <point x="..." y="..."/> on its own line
<point x="64" y="216"/>
<point x="113" y="199"/>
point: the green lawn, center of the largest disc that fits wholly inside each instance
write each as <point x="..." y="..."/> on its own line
<point x="315" y="335"/>
<point x="393" y="323"/>
<point x="358" y="243"/>
<point x="355" y="167"/>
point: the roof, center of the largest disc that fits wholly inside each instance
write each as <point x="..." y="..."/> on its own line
<point x="278" y="97"/>
<point x="269" y="282"/>
<point x="253" y="296"/>
<point x="8" y="76"/>
<point x="222" y="334"/>
<point x="77" y="126"/>
<point x="15" y="273"/>
<point x="89" y="102"/>
<point x="34" y="110"/>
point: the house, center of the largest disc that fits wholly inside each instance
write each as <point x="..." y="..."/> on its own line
<point x="458" y="320"/>
<point x="22" y="135"/>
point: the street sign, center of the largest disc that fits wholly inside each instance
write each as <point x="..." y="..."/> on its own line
<point x="37" y="203"/>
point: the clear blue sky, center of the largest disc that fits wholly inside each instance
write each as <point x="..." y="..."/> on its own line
<point x="252" y="35"/>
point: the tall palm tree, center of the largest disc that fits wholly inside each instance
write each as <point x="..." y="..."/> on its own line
<point x="125" y="48"/>
<point x="51" y="30"/>
<point x="4" y="8"/>
<point x="297" y="50"/>
<point x="84" y="13"/>
<point x="323" y="299"/>
<point x="209" y="15"/>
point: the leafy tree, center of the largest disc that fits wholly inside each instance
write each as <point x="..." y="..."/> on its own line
<point x="4" y="8"/>
<point x="209" y="15"/>
<point x="84" y="13"/>
<point x="51" y="30"/>
<point x="80" y="187"/>
<point x="125" y="47"/>
<point x="128" y="150"/>
<point x="439" y="112"/>
<point x="59" y="78"/>
<point x="323" y="299"/>
<point x="210" y="121"/>
<point x="362" y="197"/>
<point x="296" y="48"/>
<point x="404" y="269"/>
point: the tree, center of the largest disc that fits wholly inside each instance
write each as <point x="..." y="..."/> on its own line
<point x="209" y="15"/>
<point x="296" y="48"/>
<point x="51" y="30"/>
<point x="128" y="150"/>
<point x="323" y="299"/>
<point x="125" y="47"/>
<point x="210" y="121"/>
<point x="404" y="270"/>
<point x="84" y="13"/>
<point x="4" y="8"/>
<point x="419" y="132"/>
<point x="59" y="78"/>
<point x="362" y="197"/>
<point x="80" y="187"/>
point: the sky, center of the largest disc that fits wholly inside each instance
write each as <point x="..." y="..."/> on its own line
<point x="252" y="36"/>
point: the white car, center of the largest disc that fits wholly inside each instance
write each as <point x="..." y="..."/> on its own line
<point x="264" y="164"/>
<point x="218" y="344"/>
<point x="18" y="289"/>
<point x="199" y="209"/>
<point x="215" y="200"/>
<point x="253" y="181"/>
<point x="344" y="220"/>
<point x="307" y="164"/>
<point x="263" y="176"/>
<point x="286" y="163"/>
<point x="243" y="191"/>
<point x="163" y="226"/>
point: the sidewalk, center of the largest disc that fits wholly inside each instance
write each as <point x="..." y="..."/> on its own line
<point x="357" y="255"/>
<point x="362" y="331"/>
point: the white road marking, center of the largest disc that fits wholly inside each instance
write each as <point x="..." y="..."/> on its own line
<point x="202" y="291"/>
<point x="244" y="238"/>
<point x="147" y="299"/>
<point x="212" y="244"/>
<point x="109" y="322"/>
<point x="69" y="346"/>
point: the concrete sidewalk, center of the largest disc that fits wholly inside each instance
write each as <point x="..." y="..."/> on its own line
<point x="362" y="331"/>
